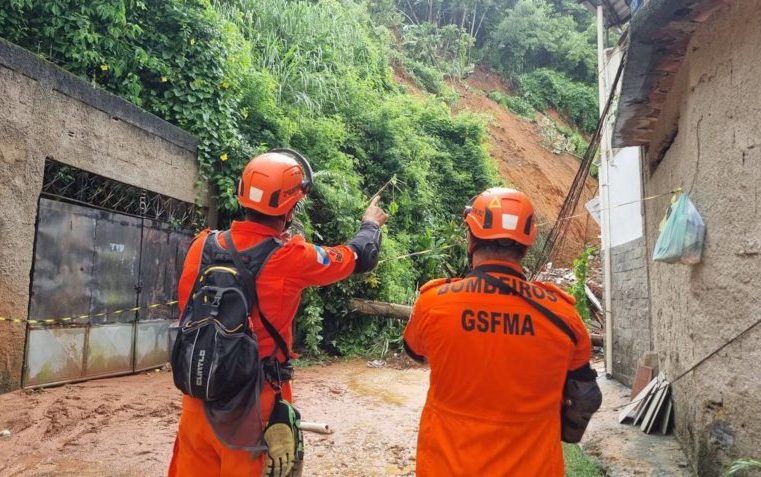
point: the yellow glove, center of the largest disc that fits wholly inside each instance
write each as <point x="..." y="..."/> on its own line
<point x="281" y="447"/>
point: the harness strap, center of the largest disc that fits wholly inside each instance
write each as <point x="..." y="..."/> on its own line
<point x="251" y="282"/>
<point x="503" y="269"/>
<point x="499" y="284"/>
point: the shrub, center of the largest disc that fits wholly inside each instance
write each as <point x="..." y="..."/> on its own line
<point x="516" y="104"/>
<point x="545" y="89"/>
<point x="249" y="75"/>
<point x="578" y="289"/>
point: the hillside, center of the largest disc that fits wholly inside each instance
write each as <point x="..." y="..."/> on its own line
<point x="516" y="146"/>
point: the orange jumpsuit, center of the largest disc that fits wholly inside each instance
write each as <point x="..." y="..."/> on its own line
<point x="292" y="268"/>
<point x="498" y="368"/>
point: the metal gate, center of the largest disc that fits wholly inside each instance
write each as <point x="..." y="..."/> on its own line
<point x="105" y="281"/>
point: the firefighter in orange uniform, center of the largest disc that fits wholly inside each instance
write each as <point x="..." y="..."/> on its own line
<point x="509" y="358"/>
<point x="271" y="186"/>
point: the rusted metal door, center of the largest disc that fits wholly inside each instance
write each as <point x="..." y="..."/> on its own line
<point x="92" y="268"/>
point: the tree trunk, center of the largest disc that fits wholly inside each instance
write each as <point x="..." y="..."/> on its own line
<point x="403" y="312"/>
<point x="369" y="307"/>
<point x="412" y="12"/>
<point x="480" y="22"/>
<point x="473" y="21"/>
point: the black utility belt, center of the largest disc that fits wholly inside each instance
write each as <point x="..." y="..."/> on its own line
<point x="276" y="371"/>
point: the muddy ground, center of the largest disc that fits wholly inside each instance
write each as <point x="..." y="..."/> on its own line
<point x="125" y="426"/>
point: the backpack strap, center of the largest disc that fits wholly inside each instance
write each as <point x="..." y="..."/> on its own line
<point x="500" y="285"/>
<point x="257" y="257"/>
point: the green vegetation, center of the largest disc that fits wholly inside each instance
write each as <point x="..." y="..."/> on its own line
<point x="545" y="88"/>
<point x="545" y="48"/>
<point x="578" y="290"/>
<point x="577" y="464"/>
<point x="249" y="75"/>
<point x="516" y="104"/>
<point x="741" y="466"/>
<point x="559" y="139"/>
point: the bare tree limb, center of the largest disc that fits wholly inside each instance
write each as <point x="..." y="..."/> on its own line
<point x="369" y="307"/>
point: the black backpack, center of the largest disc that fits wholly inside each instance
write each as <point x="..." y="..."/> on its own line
<point x="216" y="354"/>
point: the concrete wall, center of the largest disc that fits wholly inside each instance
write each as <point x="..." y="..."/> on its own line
<point x="715" y="113"/>
<point x="630" y="303"/>
<point x="47" y="113"/>
<point x="627" y="286"/>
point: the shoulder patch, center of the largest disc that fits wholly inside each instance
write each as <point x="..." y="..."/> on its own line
<point x="558" y="291"/>
<point x="437" y="283"/>
<point x="322" y="255"/>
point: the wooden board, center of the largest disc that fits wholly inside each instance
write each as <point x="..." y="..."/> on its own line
<point x="644" y="375"/>
<point x="666" y="419"/>
<point x="631" y="409"/>
<point x="651" y="417"/>
<point x="642" y="412"/>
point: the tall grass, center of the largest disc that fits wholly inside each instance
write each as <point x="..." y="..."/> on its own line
<point x="312" y="52"/>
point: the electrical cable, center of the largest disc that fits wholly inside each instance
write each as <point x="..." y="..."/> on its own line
<point x="571" y="201"/>
<point x="696" y="365"/>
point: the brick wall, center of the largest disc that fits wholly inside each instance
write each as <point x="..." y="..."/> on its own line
<point x="630" y="304"/>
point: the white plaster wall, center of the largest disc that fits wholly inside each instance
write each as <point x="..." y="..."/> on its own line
<point x="625" y="193"/>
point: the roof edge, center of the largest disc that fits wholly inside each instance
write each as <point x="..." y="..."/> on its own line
<point x="660" y="32"/>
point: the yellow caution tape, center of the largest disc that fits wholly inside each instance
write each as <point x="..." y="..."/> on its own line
<point x="65" y="319"/>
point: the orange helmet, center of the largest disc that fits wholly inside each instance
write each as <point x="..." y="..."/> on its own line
<point x="501" y="213"/>
<point x="274" y="182"/>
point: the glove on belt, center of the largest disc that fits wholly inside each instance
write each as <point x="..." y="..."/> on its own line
<point x="284" y="439"/>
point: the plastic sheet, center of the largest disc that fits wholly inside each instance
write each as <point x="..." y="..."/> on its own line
<point x="682" y="234"/>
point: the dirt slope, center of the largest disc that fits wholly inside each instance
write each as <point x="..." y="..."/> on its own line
<point x="515" y="144"/>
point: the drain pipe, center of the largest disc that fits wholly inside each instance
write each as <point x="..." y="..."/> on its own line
<point x="604" y="196"/>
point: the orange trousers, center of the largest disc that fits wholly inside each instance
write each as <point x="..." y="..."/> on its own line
<point x="198" y="452"/>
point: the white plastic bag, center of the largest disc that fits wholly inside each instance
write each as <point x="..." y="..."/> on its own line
<point x="682" y="234"/>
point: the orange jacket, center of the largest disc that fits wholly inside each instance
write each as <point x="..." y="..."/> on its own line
<point x="292" y="268"/>
<point x="498" y="367"/>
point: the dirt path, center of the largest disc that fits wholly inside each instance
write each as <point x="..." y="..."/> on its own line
<point x="125" y="426"/>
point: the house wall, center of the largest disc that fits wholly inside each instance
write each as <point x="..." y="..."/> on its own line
<point x="48" y="113"/>
<point x="714" y="117"/>
<point x="630" y="305"/>
<point x="620" y="194"/>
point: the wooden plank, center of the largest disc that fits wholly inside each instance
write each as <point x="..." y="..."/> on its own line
<point x="655" y="406"/>
<point x="642" y="411"/>
<point x="660" y="407"/>
<point x="644" y="375"/>
<point x="630" y="411"/>
<point x="666" y="420"/>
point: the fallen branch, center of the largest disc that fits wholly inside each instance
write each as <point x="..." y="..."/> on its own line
<point x="592" y="298"/>
<point x="370" y="307"/>
<point x="317" y="427"/>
